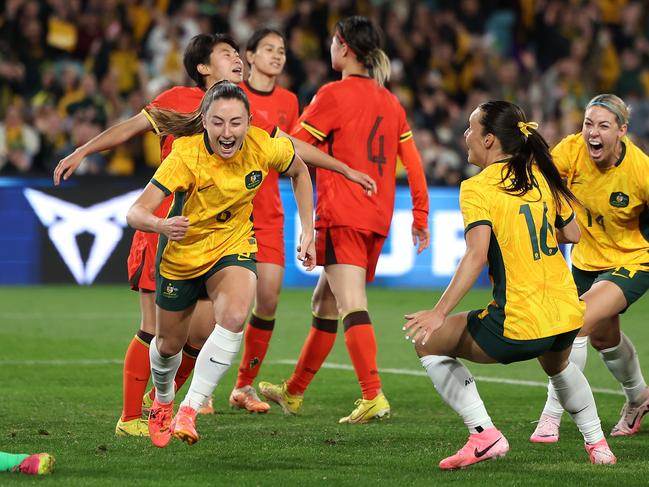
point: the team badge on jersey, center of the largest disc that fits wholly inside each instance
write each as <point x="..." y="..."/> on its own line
<point x="253" y="179"/>
<point x="619" y="199"/>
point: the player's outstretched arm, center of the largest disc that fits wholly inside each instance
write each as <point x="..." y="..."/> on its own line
<point x="109" y="138"/>
<point x="303" y="191"/>
<point x="140" y="216"/>
<point x="315" y="157"/>
<point x="422" y="324"/>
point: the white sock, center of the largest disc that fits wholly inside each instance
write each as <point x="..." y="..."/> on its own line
<point x="456" y="385"/>
<point x="575" y="396"/>
<point x="622" y="361"/>
<point x="212" y="363"/>
<point x="578" y="356"/>
<point x="163" y="373"/>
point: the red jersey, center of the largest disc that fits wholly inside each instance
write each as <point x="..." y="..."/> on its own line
<point x="280" y="107"/>
<point x="362" y="124"/>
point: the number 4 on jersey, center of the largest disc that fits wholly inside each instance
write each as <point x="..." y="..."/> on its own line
<point x="379" y="158"/>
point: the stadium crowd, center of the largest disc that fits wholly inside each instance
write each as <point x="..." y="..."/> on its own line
<point x="70" y="68"/>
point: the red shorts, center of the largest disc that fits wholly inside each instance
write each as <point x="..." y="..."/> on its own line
<point x="270" y="242"/>
<point x="141" y="261"/>
<point x="346" y="245"/>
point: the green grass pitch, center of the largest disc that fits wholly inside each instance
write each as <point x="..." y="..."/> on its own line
<point x="60" y="369"/>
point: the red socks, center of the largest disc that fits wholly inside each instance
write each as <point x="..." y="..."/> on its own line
<point x="187" y="365"/>
<point x="361" y="345"/>
<point x="136" y="375"/>
<point x="255" y="345"/>
<point x="315" y="350"/>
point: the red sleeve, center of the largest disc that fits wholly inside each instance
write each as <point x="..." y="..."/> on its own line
<point x="319" y="119"/>
<point x="260" y="121"/>
<point x="416" y="180"/>
<point x="167" y="99"/>
<point x="293" y="111"/>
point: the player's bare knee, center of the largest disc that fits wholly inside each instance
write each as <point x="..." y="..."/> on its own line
<point x="233" y="320"/>
<point x="421" y="350"/>
<point x="324" y="305"/>
<point x="602" y="342"/>
<point x="266" y="304"/>
<point x="169" y="346"/>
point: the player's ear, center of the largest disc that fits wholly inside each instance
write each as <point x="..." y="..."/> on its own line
<point x="203" y="69"/>
<point x="488" y="141"/>
<point x="250" y="57"/>
<point x="622" y="130"/>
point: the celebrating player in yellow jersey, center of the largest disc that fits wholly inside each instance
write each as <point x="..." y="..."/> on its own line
<point x="516" y="211"/>
<point x="610" y="176"/>
<point x="207" y="244"/>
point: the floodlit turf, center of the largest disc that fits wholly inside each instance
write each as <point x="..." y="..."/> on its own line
<point x="60" y="371"/>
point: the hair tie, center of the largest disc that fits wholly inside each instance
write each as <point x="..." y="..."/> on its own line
<point x="343" y="41"/>
<point x="525" y="127"/>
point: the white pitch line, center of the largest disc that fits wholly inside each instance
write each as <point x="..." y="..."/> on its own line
<point x="326" y="365"/>
<point x="495" y="380"/>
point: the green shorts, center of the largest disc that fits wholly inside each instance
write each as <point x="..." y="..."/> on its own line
<point x="633" y="283"/>
<point x="487" y="332"/>
<point x="177" y="295"/>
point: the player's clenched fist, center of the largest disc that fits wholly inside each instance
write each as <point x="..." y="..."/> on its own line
<point x="174" y="228"/>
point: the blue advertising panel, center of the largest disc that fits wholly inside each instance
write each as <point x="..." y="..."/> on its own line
<point x="78" y="233"/>
<point x="399" y="265"/>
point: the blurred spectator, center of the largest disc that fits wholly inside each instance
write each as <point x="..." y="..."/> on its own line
<point x="19" y="142"/>
<point x="80" y="65"/>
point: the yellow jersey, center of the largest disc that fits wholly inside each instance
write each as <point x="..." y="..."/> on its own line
<point x="216" y="195"/>
<point x="614" y="219"/>
<point x="534" y="295"/>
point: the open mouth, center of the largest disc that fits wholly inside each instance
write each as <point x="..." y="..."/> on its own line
<point x="227" y="146"/>
<point x="595" y="147"/>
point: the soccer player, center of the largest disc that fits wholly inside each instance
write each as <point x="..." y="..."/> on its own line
<point x="610" y="176"/>
<point x="516" y="211"/>
<point x="266" y="55"/>
<point x="207" y="245"/>
<point x="207" y="59"/>
<point x="363" y="124"/>
<point x="36" y="464"/>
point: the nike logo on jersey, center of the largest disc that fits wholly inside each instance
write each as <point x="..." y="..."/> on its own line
<point x="481" y="453"/>
<point x="217" y="362"/>
<point x="205" y="187"/>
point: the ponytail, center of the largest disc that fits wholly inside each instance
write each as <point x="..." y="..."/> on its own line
<point x="379" y="65"/>
<point x="364" y="39"/>
<point x="169" y="122"/>
<point x="535" y="149"/>
<point x="507" y="123"/>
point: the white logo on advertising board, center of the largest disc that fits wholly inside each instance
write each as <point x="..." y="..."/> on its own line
<point x="65" y="220"/>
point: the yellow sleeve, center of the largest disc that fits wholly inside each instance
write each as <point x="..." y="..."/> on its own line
<point x="474" y="205"/>
<point x="563" y="157"/>
<point x="281" y="154"/>
<point x="173" y="175"/>
<point x="564" y="215"/>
